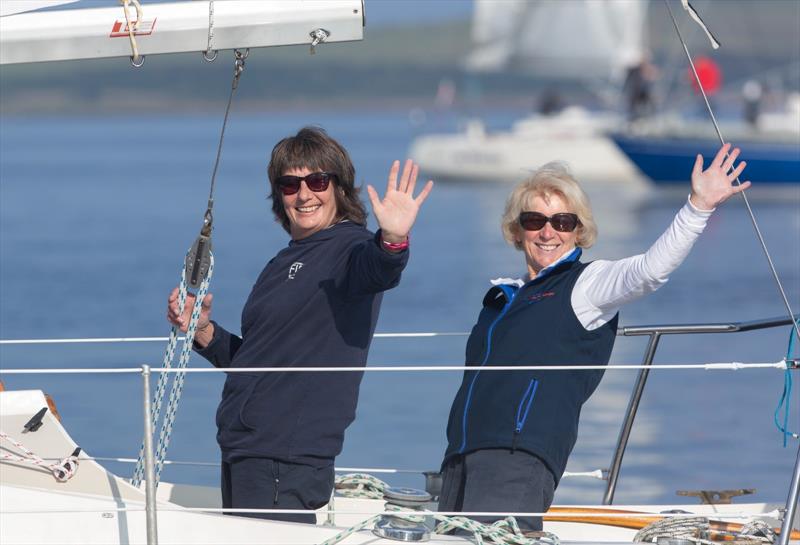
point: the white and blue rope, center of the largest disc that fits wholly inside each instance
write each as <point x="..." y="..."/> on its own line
<point x="177" y="383"/>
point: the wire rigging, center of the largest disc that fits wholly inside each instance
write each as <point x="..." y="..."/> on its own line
<point x="761" y="241"/>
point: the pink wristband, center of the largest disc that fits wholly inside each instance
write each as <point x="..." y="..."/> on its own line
<point x="395" y="246"/>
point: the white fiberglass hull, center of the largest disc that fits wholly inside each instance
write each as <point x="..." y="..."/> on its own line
<point x="96" y="507"/>
<point x="573" y="136"/>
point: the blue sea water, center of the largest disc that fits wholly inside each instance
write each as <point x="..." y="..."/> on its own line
<point x="97" y="212"/>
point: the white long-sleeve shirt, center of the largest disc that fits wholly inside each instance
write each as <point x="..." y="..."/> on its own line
<point x="604" y="286"/>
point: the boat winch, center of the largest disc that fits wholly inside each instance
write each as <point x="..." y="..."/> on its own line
<point x="404" y="527"/>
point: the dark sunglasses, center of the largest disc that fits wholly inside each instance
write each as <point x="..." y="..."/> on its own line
<point x="316" y="182"/>
<point x="563" y="222"/>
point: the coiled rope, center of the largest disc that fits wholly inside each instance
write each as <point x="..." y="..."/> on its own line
<point x="698" y="530"/>
<point x="501" y="532"/>
<point x="62" y="470"/>
<point x="359" y="485"/>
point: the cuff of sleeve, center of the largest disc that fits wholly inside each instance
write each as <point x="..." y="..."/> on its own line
<point x="393" y="256"/>
<point x="693" y="218"/>
<point x="209" y="348"/>
<point x="698" y="211"/>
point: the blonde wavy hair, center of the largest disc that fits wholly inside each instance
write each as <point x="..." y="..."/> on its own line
<point x="551" y="179"/>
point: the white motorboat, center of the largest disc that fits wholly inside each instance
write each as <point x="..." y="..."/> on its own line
<point x="573" y="135"/>
<point x="538" y="38"/>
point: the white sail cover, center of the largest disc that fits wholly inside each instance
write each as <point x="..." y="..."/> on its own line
<point x="574" y="39"/>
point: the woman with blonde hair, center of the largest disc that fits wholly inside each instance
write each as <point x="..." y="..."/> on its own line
<point x="510" y="433"/>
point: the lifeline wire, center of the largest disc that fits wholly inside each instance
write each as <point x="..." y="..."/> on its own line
<point x="740" y="515"/>
<point x="722" y="141"/>
<point x="730" y="366"/>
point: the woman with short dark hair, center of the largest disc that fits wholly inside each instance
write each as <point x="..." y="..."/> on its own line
<point x="510" y="432"/>
<point x="315" y="304"/>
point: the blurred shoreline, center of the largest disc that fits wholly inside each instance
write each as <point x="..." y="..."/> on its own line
<point x="401" y="67"/>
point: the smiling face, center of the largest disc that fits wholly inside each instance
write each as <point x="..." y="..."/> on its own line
<point x="309" y="211"/>
<point x="544" y="247"/>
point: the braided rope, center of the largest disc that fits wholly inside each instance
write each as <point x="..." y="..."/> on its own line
<point x="132" y="28"/>
<point x="360" y="485"/>
<point x="501" y="532"/>
<point x="63" y="470"/>
<point x="695" y="529"/>
<point x="163" y="379"/>
<point x="505" y="531"/>
<point x="689" y="528"/>
<point x="759" y="530"/>
<point x="177" y="384"/>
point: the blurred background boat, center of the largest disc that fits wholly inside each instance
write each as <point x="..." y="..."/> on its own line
<point x="664" y="149"/>
<point x="623" y="110"/>
<point x="539" y="38"/>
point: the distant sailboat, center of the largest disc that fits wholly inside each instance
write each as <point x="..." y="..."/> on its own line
<point x="664" y="149"/>
<point x="578" y="41"/>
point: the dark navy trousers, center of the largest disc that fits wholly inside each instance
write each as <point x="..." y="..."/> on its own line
<point x="264" y="483"/>
<point x="498" y="480"/>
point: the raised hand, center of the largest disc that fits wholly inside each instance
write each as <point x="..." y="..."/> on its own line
<point x="398" y="210"/>
<point x="713" y="186"/>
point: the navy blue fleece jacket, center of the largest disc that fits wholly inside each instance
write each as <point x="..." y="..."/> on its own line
<point x="533" y="411"/>
<point x="315" y="304"/>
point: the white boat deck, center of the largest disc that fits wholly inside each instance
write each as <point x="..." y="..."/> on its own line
<point x="97" y="507"/>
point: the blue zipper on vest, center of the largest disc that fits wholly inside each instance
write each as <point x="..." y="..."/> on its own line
<point x="521" y="418"/>
<point x="510" y="294"/>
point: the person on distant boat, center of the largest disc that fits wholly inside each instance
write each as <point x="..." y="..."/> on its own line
<point x="510" y="433"/>
<point x="638" y="88"/>
<point x="314" y="304"/>
<point x="752" y="95"/>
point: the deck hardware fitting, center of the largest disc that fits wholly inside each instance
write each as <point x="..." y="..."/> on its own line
<point x="35" y="422"/>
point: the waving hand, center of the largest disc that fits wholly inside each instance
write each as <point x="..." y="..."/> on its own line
<point x="398" y="210"/>
<point x="713" y="186"/>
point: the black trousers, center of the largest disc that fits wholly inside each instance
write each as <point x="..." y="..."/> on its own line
<point x="498" y="480"/>
<point x="264" y="483"/>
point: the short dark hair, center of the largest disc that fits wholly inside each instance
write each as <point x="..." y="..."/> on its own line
<point x="313" y="149"/>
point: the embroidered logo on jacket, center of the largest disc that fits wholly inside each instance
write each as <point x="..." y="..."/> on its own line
<point x="536" y="297"/>
<point x="296" y="266"/>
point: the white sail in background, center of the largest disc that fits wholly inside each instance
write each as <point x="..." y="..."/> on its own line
<point x="575" y="39"/>
<point x="494" y="25"/>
